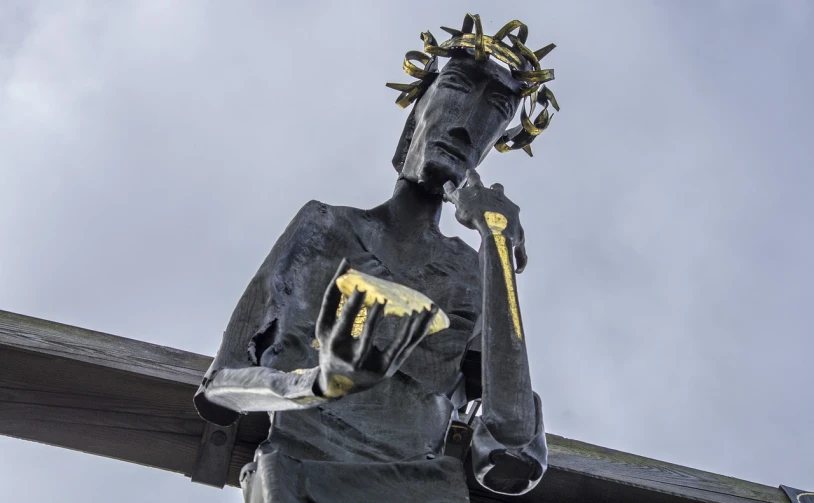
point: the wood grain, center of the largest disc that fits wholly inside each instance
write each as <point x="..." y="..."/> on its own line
<point x="130" y="400"/>
<point x="101" y="349"/>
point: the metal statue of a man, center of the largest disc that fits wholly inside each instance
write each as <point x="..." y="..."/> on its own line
<point x="365" y="333"/>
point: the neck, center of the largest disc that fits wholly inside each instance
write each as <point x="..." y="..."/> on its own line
<point x="411" y="209"/>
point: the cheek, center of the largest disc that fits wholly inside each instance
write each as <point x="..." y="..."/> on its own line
<point x="491" y="125"/>
<point x="441" y="109"/>
<point x="445" y="110"/>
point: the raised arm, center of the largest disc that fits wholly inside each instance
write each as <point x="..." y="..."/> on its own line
<point x="508" y="447"/>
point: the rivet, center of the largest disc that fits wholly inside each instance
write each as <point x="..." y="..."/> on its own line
<point x="218" y="437"/>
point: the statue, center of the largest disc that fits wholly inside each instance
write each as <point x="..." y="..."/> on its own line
<point x="365" y="332"/>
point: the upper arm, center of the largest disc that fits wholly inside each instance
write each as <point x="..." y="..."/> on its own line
<point x="256" y="317"/>
<point x="471" y="365"/>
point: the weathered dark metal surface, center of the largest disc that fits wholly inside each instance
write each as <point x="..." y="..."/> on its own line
<point x="798" y="495"/>
<point x="362" y="335"/>
<point x="523" y="62"/>
<point x="214" y="454"/>
<point x="138" y="410"/>
<point x="368" y="378"/>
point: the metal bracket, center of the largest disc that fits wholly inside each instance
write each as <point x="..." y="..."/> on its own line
<point x="214" y="454"/>
<point x="459" y="437"/>
<point x="797" y="495"/>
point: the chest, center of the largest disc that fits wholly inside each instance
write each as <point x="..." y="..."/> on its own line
<point x="450" y="280"/>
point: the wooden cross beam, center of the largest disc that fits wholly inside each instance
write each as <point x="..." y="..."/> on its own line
<point x="130" y="400"/>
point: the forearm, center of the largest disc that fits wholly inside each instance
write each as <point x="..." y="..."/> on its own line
<point x="508" y="401"/>
<point x="509" y="470"/>
<point x="263" y="389"/>
<point x="509" y="453"/>
<point x="508" y="447"/>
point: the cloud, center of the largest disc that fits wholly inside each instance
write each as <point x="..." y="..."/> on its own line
<point x="152" y="153"/>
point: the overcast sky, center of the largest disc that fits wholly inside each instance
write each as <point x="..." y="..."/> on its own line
<point x="151" y="152"/>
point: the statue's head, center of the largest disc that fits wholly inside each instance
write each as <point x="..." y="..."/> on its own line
<point x="463" y="111"/>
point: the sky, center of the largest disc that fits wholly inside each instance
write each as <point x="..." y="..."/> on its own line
<point x="152" y="152"/>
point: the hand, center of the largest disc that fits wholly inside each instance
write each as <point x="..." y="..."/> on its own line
<point x="472" y="200"/>
<point x="348" y="364"/>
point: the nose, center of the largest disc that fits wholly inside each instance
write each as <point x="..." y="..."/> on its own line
<point x="462" y="135"/>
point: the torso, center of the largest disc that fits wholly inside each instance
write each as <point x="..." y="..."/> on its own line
<point x="407" y="416"/>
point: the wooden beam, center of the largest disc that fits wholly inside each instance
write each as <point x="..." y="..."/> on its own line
<point x="130" y="400"/>
<point x="108" y="395"/>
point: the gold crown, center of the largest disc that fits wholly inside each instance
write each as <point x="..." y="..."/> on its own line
<point x="522" y="61"/>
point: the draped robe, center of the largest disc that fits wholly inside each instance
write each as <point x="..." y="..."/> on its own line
<point x="383" y="443"/>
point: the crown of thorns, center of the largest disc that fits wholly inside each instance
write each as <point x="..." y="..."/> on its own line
<point x="522" y="61"/>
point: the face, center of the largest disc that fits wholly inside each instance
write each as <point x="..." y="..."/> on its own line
<point x="458" y="120"/>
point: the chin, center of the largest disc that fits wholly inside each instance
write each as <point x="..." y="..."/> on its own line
<point x="436" y="172"/>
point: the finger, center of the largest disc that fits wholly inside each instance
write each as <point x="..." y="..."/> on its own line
<point x="520" y="257"/>
<point x="341" y="338"/>
<point x="365" y="342"/>
<point x="473" y="178"/>
<point x="450" y="192"/>
<point x="401" y="341"/>
<point x="419" y="330"/>
<point x="422" y="325"/>
<point x="497" y="187"/>
<point x="330" y="303"/>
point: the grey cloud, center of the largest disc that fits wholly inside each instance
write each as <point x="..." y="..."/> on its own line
<point x="151" y="155"/>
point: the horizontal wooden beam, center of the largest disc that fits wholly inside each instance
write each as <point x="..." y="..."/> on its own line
<point x="131" y="400"/>
<point x="108" y="395"/>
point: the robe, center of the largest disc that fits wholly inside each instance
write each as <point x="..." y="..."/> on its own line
<point x="382" y="444"/>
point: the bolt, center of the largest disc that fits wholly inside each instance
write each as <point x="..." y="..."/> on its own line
<point x="218" y="437"/>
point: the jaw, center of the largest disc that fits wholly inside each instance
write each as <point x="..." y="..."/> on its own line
<point x="432" y="166"/>
<point x="434" y="172"/>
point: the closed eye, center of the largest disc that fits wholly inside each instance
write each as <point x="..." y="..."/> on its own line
<point x="502" y="103"/>
<point x="452" y="80"/>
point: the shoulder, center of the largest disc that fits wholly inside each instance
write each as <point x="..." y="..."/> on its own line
<point x="301" y="237"/>
<point x="460" y="246"/>
<point x="314" y="214"/>
<point x="317" y="214"/>
<point x="315" y="229"/>
<point x="464" y="253"/>
<point x="315" y="221"/>
<point x="462" y="265"/>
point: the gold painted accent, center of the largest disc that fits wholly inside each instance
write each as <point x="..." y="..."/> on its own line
<point x="339" y="386"/>
<point x="298" y="371"/>
<point x="506" y="45"/>
<point x="358" y="323"/>
<point x="315" y="343"/>
<point x="401" y="300"/>
<point x="497" y="224"/>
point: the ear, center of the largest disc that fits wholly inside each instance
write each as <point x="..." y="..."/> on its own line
<point x="404" y="142"/>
